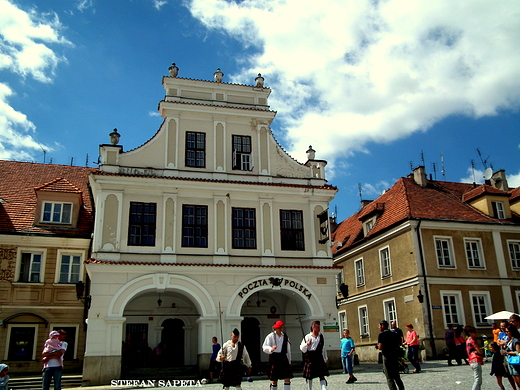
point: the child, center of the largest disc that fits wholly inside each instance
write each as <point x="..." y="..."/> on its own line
<point x="4" y="378"/>
<point x="487" y="352"/>
<point x="53" y="344"/>
<point x="347" y="352"/>
<point x="497" y="364"/>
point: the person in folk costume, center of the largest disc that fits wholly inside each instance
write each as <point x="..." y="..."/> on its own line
<point x="278" y="347"/>
<point x="233" y="354"/>
<point x="313" y="346"/>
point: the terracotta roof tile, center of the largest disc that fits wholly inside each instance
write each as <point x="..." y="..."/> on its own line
<point x="482" y="190"/>
<point x="18" y="184"/>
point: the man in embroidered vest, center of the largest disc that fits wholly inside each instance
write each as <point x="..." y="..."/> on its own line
<point x="313" y="346"/>
<point x="233" y="354"/>
<point x="278" y="347"/>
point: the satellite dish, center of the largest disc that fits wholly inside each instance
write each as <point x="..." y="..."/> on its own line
<point x="488" y="173"/>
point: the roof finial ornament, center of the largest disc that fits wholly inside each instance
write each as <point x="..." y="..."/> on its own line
<point x="218" y="76"/>
<point x="311" y="153"/>
<point x="259" y="81"/>
<point x="173" y="70"/>
<point x="114" y="137"/>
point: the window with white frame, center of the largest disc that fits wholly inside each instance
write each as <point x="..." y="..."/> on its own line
<point x="384" y="260"/>
<point x="360" y="272"/>
<point x="21" y="342"/>
<point x="363" y="321"/>
<point x="514" y="254"/>
<point x="452" y="307"/>
<point x="498" y="210"/>
<point x="57" y="212"/>
<point x="242" y="156"/>
<point x="368" y="225"/>
<point x="474" y="252"/>
<point x="444" y="251"/>
<point x="30" y="266"/>
<point x="339" y="282"/>
<point x="342" y="316"/>
<point x="69" y="267"/>
<point x="481" y="307"/>
<point x="389" y="310"/>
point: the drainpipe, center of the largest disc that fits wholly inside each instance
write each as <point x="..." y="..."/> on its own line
<point x="426" y="291"/>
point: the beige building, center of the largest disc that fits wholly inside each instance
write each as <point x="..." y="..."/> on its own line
<point x="429" y="253"/>
<point x="46" y="221"/>
<point x="208" y="226"/>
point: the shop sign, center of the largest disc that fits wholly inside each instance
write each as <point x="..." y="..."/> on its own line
<point x="289" y="284"/>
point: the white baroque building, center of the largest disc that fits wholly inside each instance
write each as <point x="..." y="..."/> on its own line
<point x="208" y="226"/>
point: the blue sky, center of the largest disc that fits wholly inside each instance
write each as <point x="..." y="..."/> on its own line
<point x="373" y="86"/>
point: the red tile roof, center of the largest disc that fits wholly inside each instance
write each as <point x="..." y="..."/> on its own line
<point x="439" y="200"/>
<point x="18" y="184"/>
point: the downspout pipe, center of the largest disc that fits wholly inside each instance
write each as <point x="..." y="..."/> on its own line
<point x="426" y="290"/>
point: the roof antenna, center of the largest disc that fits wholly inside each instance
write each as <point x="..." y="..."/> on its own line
<point x="473" y="170"/>
<point x="44" y="152"/>
<point x="434" y="171"/>
<point x="86" y="161"/>
<point x="443" y="171"/>
<point x="484" y="162"/>
<point x="411" y="166"/>
<point x="422" y="158"/>
<point x="360" y="192"/>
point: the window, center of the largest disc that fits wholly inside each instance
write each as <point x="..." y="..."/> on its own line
<point x="498" y="210"/>
<point x="242" y="157"/>
<point x="54" y="212"/>
<point x="514" y="254"/>
<point x="141" y="229"/>
<point x="368" y="225"/>
<point x="474" y="253"/>
<point x="342" y="316"/>
<point x="195" y="149"/>
<point x="452" y="307"/>
<point x="389" y="310"/>
<point x="444" y="253"/>
<point x="21" y="343"/>
<point x="195" y="226"/>
<point x="339" y="282"/>
<point x="360" y="272"/>
<point x="70" y="267"/>
<point x="30" y="267"/>
<point x="384" y="259"/>
<point x="363" y="321"/>
<point x="480" y="304"/>
<point x="291" y="230"/>
<point x="244" y="228"/>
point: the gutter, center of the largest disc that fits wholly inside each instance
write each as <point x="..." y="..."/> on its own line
<point x="426" y="290"/>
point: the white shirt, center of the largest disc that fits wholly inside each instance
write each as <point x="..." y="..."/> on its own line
<point x="315" y="341"/>
<point x="57" y="362"/>
<point x="232" y="352"/>
<point x="273" y="339"/>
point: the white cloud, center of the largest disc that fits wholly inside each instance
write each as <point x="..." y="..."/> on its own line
<point x="347" y="72"/>
<point x="25" y="49"/>
<point x="82" y="5"/>
<point x="159" y="3"/>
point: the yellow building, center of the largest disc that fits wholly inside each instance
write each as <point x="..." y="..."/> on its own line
<point x="429" y="253"/>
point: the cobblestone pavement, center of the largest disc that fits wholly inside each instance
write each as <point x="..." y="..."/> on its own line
<point x="435" y="375"/>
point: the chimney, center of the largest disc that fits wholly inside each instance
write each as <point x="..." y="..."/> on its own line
<point x="419" y="176"/>
<point x="498" y="180"/>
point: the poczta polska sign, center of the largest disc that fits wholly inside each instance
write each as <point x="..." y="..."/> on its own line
<point x="281" y="282"/>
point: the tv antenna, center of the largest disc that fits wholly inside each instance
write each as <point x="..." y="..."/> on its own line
<point x="44" y="152"/>
<point x="473" y="170"/>
<point x="484" y="162"/>
<point x="434" y="171"/>
<point x="443" y="171"/>
<point x="360" y="192"/>
<point x="422" y="158"/>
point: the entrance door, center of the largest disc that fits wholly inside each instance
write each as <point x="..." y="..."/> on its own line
<point x="173" y="336"/>
<point x="251" y="338"/>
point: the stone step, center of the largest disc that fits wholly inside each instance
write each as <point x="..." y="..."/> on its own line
<point x="35" y="382"/>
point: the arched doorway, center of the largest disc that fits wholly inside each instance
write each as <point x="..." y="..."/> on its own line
<point x="251" y="339"/>
<point x="172" y="335"/>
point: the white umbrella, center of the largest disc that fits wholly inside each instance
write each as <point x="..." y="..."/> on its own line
<point x="501" y="315"/>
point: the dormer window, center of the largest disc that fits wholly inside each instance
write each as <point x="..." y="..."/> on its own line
<point x="55" y="212"/>
<point x="498" y="210"/>
<point x="368" y="225"/>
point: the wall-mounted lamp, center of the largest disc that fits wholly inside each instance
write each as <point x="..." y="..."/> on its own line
<point x="80" y="291"/>
<point x="420" y="297"/>
<point x="159" y="301"/>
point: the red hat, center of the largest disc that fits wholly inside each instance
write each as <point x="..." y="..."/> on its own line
<point x="278" y="324"/>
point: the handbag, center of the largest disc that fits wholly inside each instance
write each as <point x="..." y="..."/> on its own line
<point x="513" y="360"/>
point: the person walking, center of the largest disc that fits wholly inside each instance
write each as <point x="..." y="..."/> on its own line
<point x="233" y="353"/>
<point x="313" y="346"/>
<point x="412" y="341"/>
<point x="449" y="338"/>
<point x="53" y="367"/>
<point x="395" y="329"/>
<point x="475" y="356"/>
<point x="460" y="345"/>
<point x="277" y="346"/>
<point x="347" y="355"/>
<point x="513" y="348"/>
<point x="389" y="343"/>
<point x="213" y="363"/>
